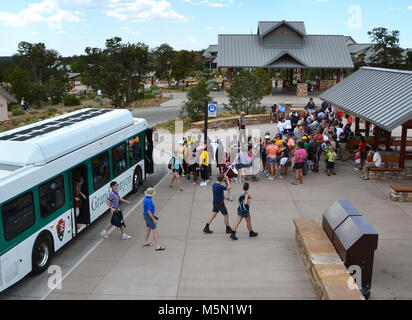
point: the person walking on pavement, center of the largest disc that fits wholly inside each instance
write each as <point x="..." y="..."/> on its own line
<point x="219" y="203"/>
<point x="175" y="164"/>
<point x="242" y="128"/>
<point x="151" y="219"/>
<point x="113" y="202"/>
<point x="243" y="213"/>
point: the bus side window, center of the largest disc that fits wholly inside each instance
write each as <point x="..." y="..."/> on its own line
<point x="119" y="159"/>
<point x="51" y="196"/>
<point x="135" y="151"/>
<point x="101" y="170"/>
<point x="18" y="215"/>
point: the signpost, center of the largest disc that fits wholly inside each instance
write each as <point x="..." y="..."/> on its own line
<point x="212" y="109"/>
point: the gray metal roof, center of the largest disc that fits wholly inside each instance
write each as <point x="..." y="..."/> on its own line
<point x="208" y="53"/>
<point x="359" y="47"/>
<point x="8" y="95"/>
<point x="319" y="51"/>
<point x="267" y="26"/>
<point x="380" y="96"/>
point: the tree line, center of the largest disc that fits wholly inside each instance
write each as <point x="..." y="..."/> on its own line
<point x="40" y="75"/>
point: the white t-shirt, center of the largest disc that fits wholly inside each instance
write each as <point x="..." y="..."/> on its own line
<point x="377" y="159"/>
<point x="281" y="127"/>
<point x="339" y="132"/>
<point x="288" y="124"/>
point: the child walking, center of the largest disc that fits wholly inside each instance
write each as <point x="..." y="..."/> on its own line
<point x="331" y="157"/>
<point x="243" y="213"/>
<point x="357" y="161"/>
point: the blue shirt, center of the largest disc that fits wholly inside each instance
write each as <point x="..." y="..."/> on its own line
<point x="148" y="205"/>
<point x="282" y="108"/>
<point x="218" y="194"/>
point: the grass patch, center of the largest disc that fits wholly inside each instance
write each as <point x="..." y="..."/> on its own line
<point x="170" y="125"/>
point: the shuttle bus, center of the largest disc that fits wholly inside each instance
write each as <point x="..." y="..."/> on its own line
<point x="39" y="164"/>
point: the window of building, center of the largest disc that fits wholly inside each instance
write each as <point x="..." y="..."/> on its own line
<point x="18" y="215"/>
<point x="101" y="170"/>
<point x="135" y="150"/>
<point x="51" y="195"/>
<point x="119" y="159"/>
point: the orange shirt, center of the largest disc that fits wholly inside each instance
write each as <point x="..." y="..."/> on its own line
<point x="362" y="147"/>
<point x="271" y="151"/>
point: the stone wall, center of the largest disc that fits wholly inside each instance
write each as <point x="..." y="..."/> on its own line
<point x="231" y="122"/>
<point x="302" y="90"/>
<point x="401" y="196"/>
<point x="406" y="174"/>
<point x="326" y="84"/>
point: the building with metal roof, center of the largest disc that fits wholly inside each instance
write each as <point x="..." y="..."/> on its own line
<point x="382" y="97"/>
<point x="5" y="98"/>
<point x="210" y="56"/>
<point x="283" y="44"/>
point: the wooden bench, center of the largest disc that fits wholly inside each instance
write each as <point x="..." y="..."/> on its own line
<point x="386" y="169"/>
<point x="329" y="275"/>
<point x="391" y="160"/>
<point x="401" y="193"/>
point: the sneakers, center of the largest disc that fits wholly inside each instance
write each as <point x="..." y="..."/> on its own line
<point x="271" y="178"/>
<point x="126" y="236"/>
<point x="281" y="177"/>
<point x="233" y="236"/>
<point x="229" y="230"/>
<point x="207" y="230"/>
<point x="356" y="169"/>
<point x="253" y="234"/>
<point x="203" y="184"/>
<point x="104" y="234"/>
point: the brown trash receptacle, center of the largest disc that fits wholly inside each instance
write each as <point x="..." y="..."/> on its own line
<point x="336" y="215"/>
<point x="356" y="240"/>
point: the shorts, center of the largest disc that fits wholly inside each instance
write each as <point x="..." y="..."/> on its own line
<point x="272" y="160"/>
<point x="284" y="161"/>
<point x="149" y="222"/>
<point x="243" y="213"/>
<point x="310" y="163"/>
<point x="193" y="167"/>
<point x="175" y="170"/>
<point x="220" y="207"/>
<point x="241" y="165"/>
<point x="299" y="165"/>
<point x="264" y="157"/>
<point x="331" y="165"/>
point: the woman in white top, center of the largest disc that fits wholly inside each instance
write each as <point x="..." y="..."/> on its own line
<point x="376" y="163"/>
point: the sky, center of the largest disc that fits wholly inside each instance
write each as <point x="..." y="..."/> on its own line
<point x="69" y="26"/>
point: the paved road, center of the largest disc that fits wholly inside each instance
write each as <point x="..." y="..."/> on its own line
<point x="157" y="114"/>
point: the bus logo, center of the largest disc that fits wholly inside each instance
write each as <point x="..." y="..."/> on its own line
<point x="60" y="229"/>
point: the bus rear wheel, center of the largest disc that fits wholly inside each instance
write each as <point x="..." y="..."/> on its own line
<point x="137" y="179"/>
<point x="42" y="254"/>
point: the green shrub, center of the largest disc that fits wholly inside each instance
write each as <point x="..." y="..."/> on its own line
<point x="71" y="100"/>
<point x="156" y="92"/>
<point x="153" y="88"/>
<point x="18" y="112"/>
<point x="52" y="109"/>
<point x="149" y="96"/>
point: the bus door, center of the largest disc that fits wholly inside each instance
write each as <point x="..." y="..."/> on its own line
<point x="148" y="152"/>
<point x="82" y="208"/>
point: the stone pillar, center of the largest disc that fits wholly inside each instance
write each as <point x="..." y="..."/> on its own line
<point x="229" y="75"/>
<point x="302" y="90"/>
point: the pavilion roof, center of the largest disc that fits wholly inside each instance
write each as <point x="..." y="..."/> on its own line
<point x="380" y="96"/>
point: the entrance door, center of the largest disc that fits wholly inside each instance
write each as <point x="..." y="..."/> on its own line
<point x="82" y="208"/>
<point x="148" y="153"/>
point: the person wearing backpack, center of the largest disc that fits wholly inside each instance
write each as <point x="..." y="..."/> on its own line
<point x="244" y="213"/>
<point x="175" y="164"/>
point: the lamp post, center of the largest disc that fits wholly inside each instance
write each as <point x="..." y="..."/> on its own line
<point x="206" y="119"/>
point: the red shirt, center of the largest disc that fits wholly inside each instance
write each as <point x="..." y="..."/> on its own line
<point x="350" y="120"/>
<point x="340" y="115"/>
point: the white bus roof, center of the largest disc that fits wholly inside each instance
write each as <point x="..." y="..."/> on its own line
<point x="48" y="140"/>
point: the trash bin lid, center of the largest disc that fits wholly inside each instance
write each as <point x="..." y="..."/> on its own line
<point x="353" y="229"/>
<point x="339" y="212"/>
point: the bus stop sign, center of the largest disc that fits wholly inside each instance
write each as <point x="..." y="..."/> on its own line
<point x="212" y="109"/>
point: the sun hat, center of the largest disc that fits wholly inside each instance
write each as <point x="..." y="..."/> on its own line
<point x="150" y="192"/>
<point x="243" y="113"/>
<point x="267" y="137"/>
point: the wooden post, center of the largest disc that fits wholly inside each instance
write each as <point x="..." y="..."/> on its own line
<point x="388" y="141"/>
<point x="229" y="75"/>
<point x="403" y="147"/>
<point x="302" y="75"/>
<point x="357" y="122"/>
<point x="367" y="128"/>
<point x="376" y="133"/>
<point x="339" y="76"/>
<point x="323" y="74"/>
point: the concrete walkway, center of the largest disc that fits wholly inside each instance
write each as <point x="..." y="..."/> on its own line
<point x="199" y="266"/>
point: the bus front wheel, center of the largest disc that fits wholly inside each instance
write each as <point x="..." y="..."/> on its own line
<point x="42" y="253"/>
<point x="137" y="179"/>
